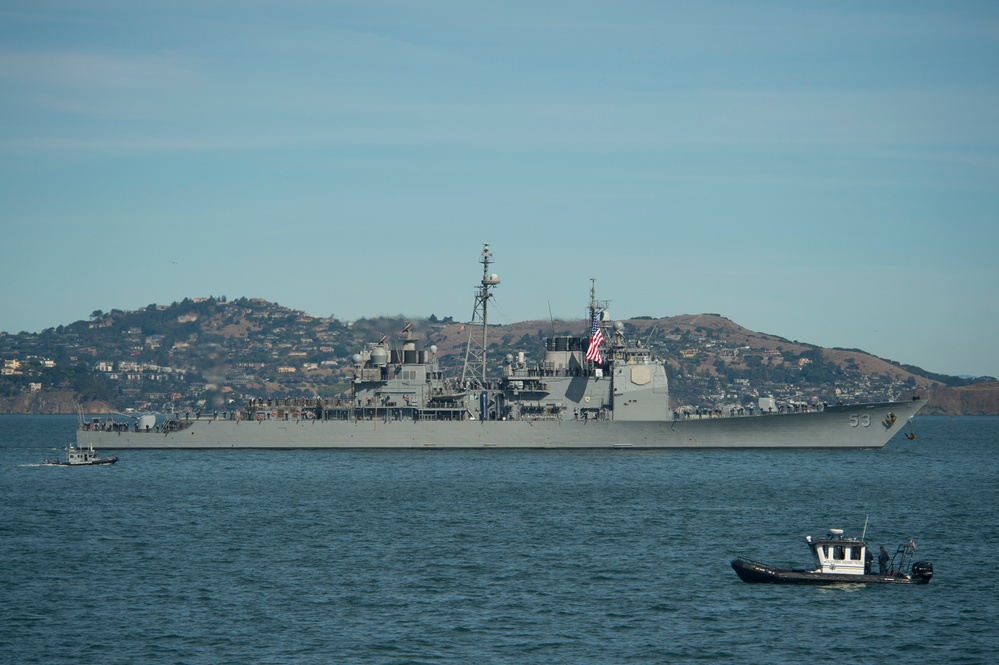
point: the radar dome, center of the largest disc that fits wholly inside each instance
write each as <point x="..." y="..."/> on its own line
<point x="379" y="356"/>
<point x="433" y="348"/>
<point x="356" y="358"/>
<point x="618" y="326"/>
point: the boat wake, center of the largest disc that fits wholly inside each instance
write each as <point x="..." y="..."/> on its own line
<point x="841" y="588"/>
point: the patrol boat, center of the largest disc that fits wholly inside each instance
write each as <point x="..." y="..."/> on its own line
<point x="600" y="390"/>
<point x="79" y="456"/>
<point x="840" y="560"/>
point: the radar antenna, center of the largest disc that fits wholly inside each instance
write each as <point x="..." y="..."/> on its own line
<point x="596" y="307"/>
<point x="474" y="371"/>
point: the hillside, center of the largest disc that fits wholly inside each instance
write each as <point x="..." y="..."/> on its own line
<point x="710" y="331"/>
<point x="55" y="402"/>
<point x="208" y="353"/>
<point x="976" y="400"/>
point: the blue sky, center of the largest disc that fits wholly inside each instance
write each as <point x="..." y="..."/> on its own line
<point x="827" y="172"/>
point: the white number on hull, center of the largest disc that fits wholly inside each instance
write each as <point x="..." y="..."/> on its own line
<point x="863" y="420"/>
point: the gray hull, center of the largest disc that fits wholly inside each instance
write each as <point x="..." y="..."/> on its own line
<point x="851" y="426"/>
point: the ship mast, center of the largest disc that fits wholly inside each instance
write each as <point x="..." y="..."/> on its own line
<point x="474" y="371"/>
<point x="596" y="306"/>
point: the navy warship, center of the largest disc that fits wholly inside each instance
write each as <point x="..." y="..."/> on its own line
<point x="598" y="391"/>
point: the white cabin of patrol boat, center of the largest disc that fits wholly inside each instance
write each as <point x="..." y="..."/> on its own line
<point x="836" y="554"/>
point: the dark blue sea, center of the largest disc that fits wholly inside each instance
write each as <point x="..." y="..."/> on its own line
<point x="490" y="556"/>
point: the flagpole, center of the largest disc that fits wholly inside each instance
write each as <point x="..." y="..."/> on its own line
<point x="596" y="333"/>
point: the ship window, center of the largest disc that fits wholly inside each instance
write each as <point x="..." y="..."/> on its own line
<point x="855" y="553"/>
<point x="825" y="551"/>
<point x="839" y="553"/>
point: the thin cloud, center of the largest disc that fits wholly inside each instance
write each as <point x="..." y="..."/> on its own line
<point x="78" y="70"/>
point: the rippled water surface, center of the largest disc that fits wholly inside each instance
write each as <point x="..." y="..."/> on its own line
<point x="489" y="556"/>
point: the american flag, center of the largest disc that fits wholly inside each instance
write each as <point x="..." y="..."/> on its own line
<point x="596" y="339"/>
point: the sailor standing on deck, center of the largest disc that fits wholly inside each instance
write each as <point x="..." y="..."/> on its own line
<point x="883" y="561"/>
<point x="868" y="560"/>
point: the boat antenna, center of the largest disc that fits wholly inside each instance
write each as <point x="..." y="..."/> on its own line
<point x="474" y="370"/>
<point x="552" y="318"/>
<point x="865" y="527"/>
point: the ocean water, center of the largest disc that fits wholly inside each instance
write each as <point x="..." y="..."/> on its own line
<point x="489" y="556"/>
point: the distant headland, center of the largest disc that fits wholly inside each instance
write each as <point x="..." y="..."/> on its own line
<point x="205" y="353"/>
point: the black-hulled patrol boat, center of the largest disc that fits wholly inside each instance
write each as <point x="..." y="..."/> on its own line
<point x="841" y="560"/>
<point x="81" y="457"/>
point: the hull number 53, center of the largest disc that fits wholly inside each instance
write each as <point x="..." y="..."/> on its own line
<point x="860" y="420"/>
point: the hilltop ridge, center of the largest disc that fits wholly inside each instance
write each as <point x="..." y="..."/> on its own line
<point x="206" y="353"/>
